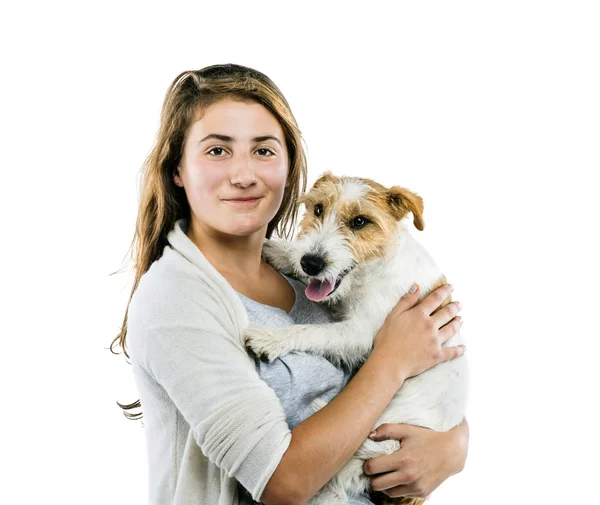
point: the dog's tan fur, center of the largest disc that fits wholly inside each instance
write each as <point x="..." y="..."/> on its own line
<point x="382" y="206"/>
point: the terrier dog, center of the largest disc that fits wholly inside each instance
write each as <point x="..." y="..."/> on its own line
<point x="356" y="254"/>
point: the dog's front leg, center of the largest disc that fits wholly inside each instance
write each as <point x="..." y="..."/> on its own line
<point x="346" y="342"/>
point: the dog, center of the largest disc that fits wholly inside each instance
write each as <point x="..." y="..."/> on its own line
<point x="356" y="254"/>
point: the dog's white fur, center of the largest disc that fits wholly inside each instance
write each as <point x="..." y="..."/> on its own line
<point x="434" y="399"/>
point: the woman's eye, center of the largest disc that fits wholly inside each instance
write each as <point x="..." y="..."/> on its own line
<point x="264" y="150"/>
<point x="359" y="222"/>
<point x="219" y="151"/>
<point x="318" y="209"/>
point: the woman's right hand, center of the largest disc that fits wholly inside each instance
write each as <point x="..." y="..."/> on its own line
<point x="412" y="334"/>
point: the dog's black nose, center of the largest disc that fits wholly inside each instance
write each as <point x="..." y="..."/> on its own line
<point x="312" y="265"/>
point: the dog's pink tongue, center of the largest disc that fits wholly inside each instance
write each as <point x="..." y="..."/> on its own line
<point x="317" y="291"/>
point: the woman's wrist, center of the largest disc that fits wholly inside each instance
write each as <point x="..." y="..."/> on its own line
<point x="395" y="371"/>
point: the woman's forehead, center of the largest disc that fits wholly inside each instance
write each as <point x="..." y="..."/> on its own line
<point x="242" y="121"/>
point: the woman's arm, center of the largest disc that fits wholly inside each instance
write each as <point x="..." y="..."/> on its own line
<point x="324" y="442"/>
<point x="181" y="340"/>
<point x="426" y="458"/>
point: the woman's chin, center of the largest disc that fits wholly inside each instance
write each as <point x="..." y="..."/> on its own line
<point x="245" y="229"/>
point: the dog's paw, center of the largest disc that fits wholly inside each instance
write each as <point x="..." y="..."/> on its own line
<point x="371" y="448"/>
<point x="276" y="252"/>
<point x="264" y="343"/>
<point x="272" y="250"/>
<point x="388" y="446"/>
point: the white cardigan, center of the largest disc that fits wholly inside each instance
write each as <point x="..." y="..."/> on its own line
<point x="209" y="418"/>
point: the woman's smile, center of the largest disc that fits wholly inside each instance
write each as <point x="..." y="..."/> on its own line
<point x="245" y="201"/>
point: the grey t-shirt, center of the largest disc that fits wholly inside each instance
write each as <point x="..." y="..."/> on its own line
<point x="297" y="378"/>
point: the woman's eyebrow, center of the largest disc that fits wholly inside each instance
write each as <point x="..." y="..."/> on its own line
<point x="227" y="138"/>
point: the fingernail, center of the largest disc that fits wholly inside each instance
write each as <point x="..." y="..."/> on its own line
<point x="413" y="288"/>
<point x="451" y="287"/>
<point x="372" y="434"/>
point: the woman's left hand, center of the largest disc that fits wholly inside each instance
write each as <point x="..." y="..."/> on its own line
<point x="426" y="458"/>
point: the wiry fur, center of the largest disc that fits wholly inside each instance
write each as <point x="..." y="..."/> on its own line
<point x="378" y="264"/>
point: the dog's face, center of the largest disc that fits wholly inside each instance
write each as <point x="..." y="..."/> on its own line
<point x="349" y="222"/>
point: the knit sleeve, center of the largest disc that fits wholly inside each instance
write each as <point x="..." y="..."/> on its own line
<point x="235" y="417"/>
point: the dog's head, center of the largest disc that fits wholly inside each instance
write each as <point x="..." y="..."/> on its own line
<point x="349" y="222"/>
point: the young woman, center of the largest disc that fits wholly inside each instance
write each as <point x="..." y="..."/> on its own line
<point x="223" y="428"/>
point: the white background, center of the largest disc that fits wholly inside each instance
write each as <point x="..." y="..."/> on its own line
<point x="489" y="110"/>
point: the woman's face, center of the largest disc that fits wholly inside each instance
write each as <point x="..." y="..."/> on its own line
<point x="234" y="168"/>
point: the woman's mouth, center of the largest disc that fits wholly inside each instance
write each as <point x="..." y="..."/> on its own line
<point x="243" y="201"/>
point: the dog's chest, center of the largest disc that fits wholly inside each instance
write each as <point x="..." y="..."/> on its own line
<point x="372" y="302"/>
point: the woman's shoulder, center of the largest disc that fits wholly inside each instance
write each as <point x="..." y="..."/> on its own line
<point x="173" y="301"/>
<point x="169" y="286"/>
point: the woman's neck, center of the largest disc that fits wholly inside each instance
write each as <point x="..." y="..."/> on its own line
<point x="231" y="255"/>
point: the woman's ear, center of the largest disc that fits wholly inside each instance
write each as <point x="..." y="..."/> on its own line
<point x="402" y="201"/>
<point x="177" y="178"/>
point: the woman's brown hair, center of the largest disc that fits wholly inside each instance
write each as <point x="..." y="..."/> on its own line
<point x="162" y="202"/>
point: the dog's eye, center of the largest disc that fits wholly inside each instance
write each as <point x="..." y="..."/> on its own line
<point x="318" y="209"/>
<point x="359" y="222"/>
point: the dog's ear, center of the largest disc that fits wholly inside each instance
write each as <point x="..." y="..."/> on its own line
<point x="326" y="177"/>
<point x="303" y="199"/>
<point x="401" y="200"/>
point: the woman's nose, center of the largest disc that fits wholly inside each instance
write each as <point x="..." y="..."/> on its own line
<point x="242" y="171"/>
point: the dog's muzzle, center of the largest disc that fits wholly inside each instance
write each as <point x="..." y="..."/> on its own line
<point x="318" y="290"/>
